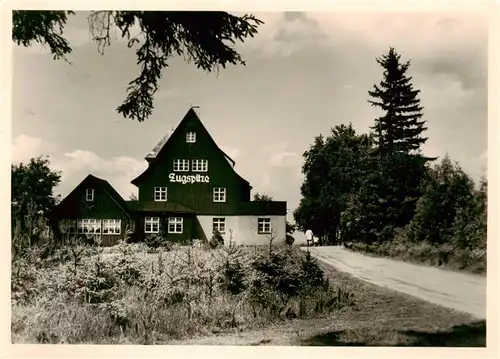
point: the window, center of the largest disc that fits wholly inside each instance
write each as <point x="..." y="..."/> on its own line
<point x="200" y="166"/>
<point x="191" y="137"/>
<point x="88" y="226"/>
<point x="219" y="224"/>
<point x="219" y="194"/>
<point x="89" y="195"/>
<point x="175" y="225"/>
<point x="181" y="165"/>
<point x="111" y="226"/>
<point x="152" y="225"/>
<point x="264" y="225"/>
<point x="160" y="194"/>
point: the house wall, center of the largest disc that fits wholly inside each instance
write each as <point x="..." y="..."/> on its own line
<point x="102" y="207"/>
<point x="199" y="195"/>
<point x="75" y="206"/>
<point x="106" y="239"/>
<point x="189" y="230"/>
<point x="244" y="229"/>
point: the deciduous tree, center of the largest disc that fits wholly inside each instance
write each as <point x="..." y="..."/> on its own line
<point x="32" y="194"/>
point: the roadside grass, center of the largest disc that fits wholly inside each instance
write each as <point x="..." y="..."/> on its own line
<point x="380" y="317"/>
<point x="445" y="255"/>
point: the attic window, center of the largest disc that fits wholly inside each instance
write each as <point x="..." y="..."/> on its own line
<point x="191" y="137"/>
<point x="89" y="195"/>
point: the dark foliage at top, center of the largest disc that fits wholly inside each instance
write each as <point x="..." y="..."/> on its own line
<point x="204" y="38"/>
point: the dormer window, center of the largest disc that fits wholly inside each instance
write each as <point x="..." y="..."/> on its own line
<point x="190" y="137"/>
<point x="89" y="195"/>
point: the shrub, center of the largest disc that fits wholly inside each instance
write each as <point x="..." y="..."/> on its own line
<point x="174" y="294"/>
<point x="154" y="241"/>
<point x="289" y="239"/>
<point x="217" y="240"/>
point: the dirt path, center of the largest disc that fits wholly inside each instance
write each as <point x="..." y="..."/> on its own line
<point x="459" y="291"/>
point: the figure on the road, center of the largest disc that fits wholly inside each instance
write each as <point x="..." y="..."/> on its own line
<point x="315" y="241"/>
<point x="309" y="237"/>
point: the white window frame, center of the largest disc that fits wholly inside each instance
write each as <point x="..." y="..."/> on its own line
<point x="199" y="166"/>
<point x="158" y="194"/>
<point x="152" y="222"/>
<point x="190" y="137"/>
<point x="175" y="221"/>
<point x="88" y="225"/>
<point x="111" y="226"/>
<point x="219" y="223"/>
<point x="262" y="223"/>
<point x="91" y="193"/>
<point x="181" y="165"/>
<point x="219" y="194"/>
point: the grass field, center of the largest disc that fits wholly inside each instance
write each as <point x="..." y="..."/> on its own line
<point x="239" y="296"/>
<point x="381" y="317"/>
<point x="126" y="295"/>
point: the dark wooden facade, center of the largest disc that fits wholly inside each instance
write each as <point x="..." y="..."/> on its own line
<point x="106" y="204"/>
<point x="188" y="193"/>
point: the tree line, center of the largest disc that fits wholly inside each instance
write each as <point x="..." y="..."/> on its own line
<point x="367" y="187"/>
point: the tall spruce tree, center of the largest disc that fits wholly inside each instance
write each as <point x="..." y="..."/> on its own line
<point x="398" y="135"/>
<point x="400" y="129"/>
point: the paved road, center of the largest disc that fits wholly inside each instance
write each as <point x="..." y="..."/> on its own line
<point x="460" y="291"/>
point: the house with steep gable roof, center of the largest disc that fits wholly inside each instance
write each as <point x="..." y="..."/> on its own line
<point x="189" y="189"/>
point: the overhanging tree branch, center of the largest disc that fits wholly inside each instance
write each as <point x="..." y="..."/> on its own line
<point x="204" y="38"/>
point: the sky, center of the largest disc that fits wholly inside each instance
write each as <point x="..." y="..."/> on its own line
<point x="305" y="73"/>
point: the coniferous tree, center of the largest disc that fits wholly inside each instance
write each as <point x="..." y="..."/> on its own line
<point x="400" y="129"/>
<point x="398" y="134"/>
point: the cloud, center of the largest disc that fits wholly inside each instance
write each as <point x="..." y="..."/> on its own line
<point x="77" y="164"/>
<point x="280" y="154"/>
<point x="25" y="147"/>
<point x="118" y="170"/>
<point x="284" y="159"/>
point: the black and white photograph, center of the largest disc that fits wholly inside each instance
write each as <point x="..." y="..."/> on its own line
<point x="248" y="178"/>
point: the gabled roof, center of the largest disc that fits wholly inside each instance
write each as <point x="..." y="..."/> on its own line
<point x="163" y="145"/>
<point x="105" y="186"/>
<point x="152" y="155"/>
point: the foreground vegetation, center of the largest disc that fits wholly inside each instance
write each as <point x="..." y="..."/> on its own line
<point x="380" y="317"/>
<point x="445" y="255"/>
<point x="80" y="294"/>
